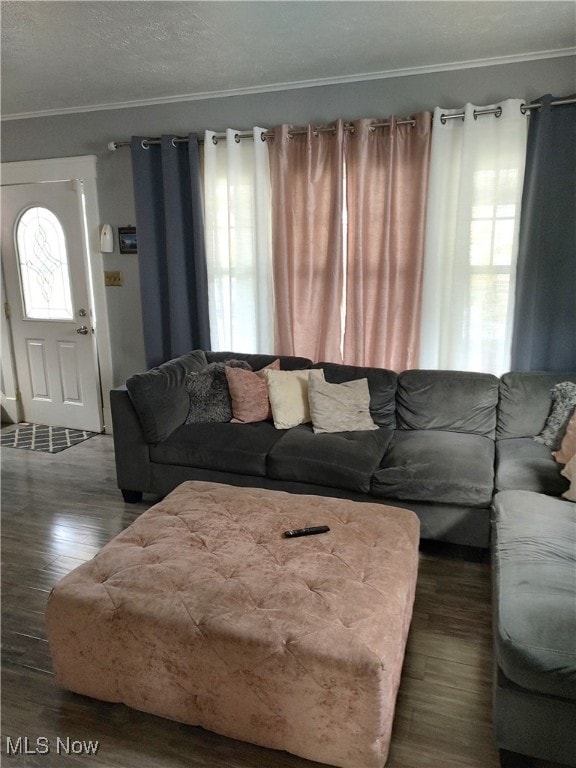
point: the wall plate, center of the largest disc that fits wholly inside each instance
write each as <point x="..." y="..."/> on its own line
<point x="113" y="278"/>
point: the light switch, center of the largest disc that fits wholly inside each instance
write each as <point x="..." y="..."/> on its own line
<point x="113" y="278"/>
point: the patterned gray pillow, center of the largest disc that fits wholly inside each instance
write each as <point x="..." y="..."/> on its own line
<point x="563" y="404"/>
<point x="209" y="394"/>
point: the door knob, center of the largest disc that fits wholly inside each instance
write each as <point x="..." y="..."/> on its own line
<point x="82" y="330"/>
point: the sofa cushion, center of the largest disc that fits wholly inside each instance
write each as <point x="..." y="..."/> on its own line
<point x="455" y="401"/>
<point x="259" y="361"/>
<point x="443" y="467"/>
<point x="339" y="459"/>
<point x="525" y="402"/>
<point x="209" y="394"/>
<point x="240" y="448"/>
<point x="381" y="383"/>
<point x="159" y="396"/>
<point x="523" y="464"/>
<point x="339" y="407"/>
<point x="533" y="566"/>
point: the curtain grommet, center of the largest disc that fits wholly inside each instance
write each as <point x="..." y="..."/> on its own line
<point x="214" y="140"/>
<point x="237" y="138"/>
<point x="174" y="142"/>
<point x="498" y="112"/>
<point x="144" y="144"/>
<point x="443" y="118"/>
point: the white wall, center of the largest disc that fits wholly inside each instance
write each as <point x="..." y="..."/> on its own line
<point x="89" y="133"/>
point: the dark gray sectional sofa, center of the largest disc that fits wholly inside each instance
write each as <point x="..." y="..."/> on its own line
<point x="447" y="440"/>
<point x="456" y="447"/>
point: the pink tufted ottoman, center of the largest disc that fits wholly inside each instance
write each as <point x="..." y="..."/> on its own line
<point x="202" y="612"/>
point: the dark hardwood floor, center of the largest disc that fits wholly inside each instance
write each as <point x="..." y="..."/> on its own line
<point x="59" y="510"/>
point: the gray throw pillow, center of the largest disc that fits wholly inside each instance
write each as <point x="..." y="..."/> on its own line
<point x="563" y="404"/>
<point x="341" y="407"/>
<point x="209" y="394"/>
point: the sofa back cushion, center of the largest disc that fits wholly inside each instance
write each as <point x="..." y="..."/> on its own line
<point x="381" y="383"/>
<point x="451" y="401"/>
<point x="525" y="401"/>
<point x="160" y="397"/>
<point x="257" y="361"/>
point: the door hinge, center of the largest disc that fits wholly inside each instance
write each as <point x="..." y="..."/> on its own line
<point x="18" y="396"/>
<point x="7" y="310"/>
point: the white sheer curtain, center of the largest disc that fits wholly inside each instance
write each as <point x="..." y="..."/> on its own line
<point x="238" y="242"/>
<point x="474" y="196"/>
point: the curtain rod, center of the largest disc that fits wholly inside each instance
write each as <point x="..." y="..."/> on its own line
<point x="524" y="108"/>
<point x="249" y="135"/>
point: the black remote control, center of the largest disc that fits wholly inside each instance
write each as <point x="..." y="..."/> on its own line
<point x="306" y="531"/>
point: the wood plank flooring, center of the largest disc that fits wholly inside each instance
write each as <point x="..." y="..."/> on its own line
<point x="59" y="510"/>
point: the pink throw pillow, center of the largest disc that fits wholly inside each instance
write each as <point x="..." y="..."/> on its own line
<point x="568" y="445"/>
<point x="249" y="394"/>
<point x="569" y="471"/>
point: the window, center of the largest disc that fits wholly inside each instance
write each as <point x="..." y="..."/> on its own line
<point x="238" y="249"/>
<point x="43" y="266"/>
<point x="492" y="239"/>
<point x="474" y="201"/>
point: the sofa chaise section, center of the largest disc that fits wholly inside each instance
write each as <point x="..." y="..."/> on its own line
<point x="534" y="606"/>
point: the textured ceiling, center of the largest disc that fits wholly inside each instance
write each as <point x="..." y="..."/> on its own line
<point x="62" y="56"/>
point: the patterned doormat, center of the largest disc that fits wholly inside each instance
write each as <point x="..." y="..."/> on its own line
<point x="39" y="437"/>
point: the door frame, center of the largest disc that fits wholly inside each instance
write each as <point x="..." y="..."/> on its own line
<point x="83" y="169"/>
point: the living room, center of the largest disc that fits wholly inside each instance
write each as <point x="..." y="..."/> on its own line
<point x="450" y="642"/>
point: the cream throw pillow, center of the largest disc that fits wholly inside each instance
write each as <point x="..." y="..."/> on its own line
<point x="340" y="407"/>
<point x="288" y="393"/>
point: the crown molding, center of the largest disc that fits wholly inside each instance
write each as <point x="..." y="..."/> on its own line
<point x="289" y="86"/>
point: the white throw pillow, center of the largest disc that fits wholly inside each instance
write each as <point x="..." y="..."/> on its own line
<point x="288" y="393"/>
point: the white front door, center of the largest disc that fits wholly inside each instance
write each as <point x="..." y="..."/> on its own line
<point x="50" y="310"/>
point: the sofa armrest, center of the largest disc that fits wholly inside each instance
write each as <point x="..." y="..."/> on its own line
<point x="130" y="447"/>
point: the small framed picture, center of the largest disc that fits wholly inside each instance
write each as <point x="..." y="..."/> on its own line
<point x="127" y="239"/>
